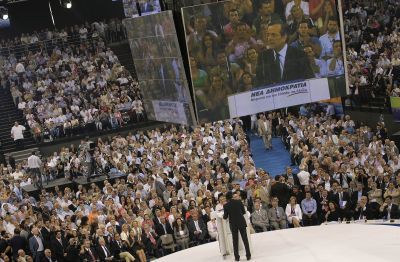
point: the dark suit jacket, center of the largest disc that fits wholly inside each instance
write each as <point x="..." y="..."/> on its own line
<point x="394" y="212"/>
<point x="101" y="255"/>
<point x="147" y="242"/>
<point x="116" y="250"/>
<point x="34" y="245"/>
<point x="345" y="197"/>
<point x="46" y="236"/>
<point x="160" y="229"/>
<point x="192" y="228"/>
<point x="45" y="259"/>
<point x="17" y="242"/>
<point x="371" y="212"/>
<point x="282" y="192"/>
<point x="354" y="197"/>
<point x="234" y="210"/>
<point x="295" y="179"/>
<point x="296" y="67"/>
<point x="156" y="221"/>
<point x="57" y="249"/>
<point x="87" y="257"/>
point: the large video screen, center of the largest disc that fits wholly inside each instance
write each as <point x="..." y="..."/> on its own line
<point x="134" y="8"/>
<point x="251" y="56"/>
<point x="159" y="67"/>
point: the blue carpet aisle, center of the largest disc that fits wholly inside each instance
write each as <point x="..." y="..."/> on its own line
<point x="274" y="161"/>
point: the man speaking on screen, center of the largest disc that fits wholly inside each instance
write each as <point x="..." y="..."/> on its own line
<point x="234" y="210"/>
<point x="281" y="62"/>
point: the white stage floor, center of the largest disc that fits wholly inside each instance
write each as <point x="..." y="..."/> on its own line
<point x="342" y="242"/>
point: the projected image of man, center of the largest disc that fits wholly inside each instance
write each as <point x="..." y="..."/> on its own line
<point x="318" y="66"/>
<point x="329" y="37"/>
<point x="304" y="38"/>
<point x="280" y="62"/>
<point x="335" y="64"/>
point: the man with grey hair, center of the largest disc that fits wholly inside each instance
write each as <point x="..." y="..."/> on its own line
<point x="36" y="245"/>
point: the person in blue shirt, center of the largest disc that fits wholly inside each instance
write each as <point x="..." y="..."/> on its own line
<point x="329" y="37"/>
<point x="309" y="208"/>
<point x="335" y="64"/>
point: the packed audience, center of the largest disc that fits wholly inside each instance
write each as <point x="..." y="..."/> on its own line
<point x="165" y="183"/>
<point x="72" y="86"/>
<point x="169" y="182"/>
<point x="372" y="29"/>
<point x="111" y="31"/>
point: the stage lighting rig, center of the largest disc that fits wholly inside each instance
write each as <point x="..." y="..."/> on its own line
<point x="3" y="13"/>
<point x="66" y="3"/>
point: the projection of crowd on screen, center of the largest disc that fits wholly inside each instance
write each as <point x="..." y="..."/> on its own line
<point x="290" y="54"/>
<point x="135" y="8"/>
<point x="158" y="63"/>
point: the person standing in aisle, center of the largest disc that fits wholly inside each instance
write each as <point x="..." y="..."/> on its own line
<point x="34" y="164"/>
<point x="17" y="133"/>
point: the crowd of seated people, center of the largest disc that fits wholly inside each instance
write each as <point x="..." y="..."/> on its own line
<point x="70" y="88"/>
<point x="163" y="194"/>
<point x="175" y="179"/>
<point x="347" y="172"/>
<point x="111" y="31"/>
<point x="372" y="49"/>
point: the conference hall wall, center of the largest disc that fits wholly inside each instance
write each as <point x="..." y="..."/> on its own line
<point x="158" y="63"/>
<point x="235" y="70"/>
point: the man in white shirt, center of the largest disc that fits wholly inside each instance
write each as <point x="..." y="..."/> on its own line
<point x="328" y="39"/>
<point x="36" y="245"/>
<point x="317" y="65"/>
<point x="34" y="164"/>
<point x="17" y="133"/>
<point x="335" y="65"/>
<point x="304" y="176"/>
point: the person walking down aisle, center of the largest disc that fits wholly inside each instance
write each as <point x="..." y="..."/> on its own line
<point x="34" y="164"/>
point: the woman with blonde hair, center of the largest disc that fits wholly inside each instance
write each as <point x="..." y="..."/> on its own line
<point x="293" y="212"/>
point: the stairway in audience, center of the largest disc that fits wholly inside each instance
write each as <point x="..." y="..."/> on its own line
<point x="22" y="155"/>
<point x="8" y="115"/>
<point x="275" y="160"/>
<point x="123" y="52"/>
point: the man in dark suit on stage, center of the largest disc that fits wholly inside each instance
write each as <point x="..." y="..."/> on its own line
<point x="281" y="62"/>
<point x="234" y="210"/>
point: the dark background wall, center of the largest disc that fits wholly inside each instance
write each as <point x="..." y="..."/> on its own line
<point x="371" y="119"/>
<point x="35" y="14"/>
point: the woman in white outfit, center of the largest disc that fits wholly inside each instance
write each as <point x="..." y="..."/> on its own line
<point x="293" y="212"/>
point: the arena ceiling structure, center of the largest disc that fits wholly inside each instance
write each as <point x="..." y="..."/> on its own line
<point x="30" y="15"/>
